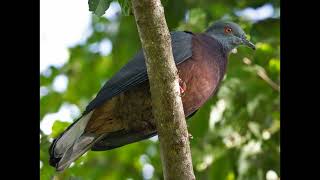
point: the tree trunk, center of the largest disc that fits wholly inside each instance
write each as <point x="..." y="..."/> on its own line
<point x="165" y="91"/>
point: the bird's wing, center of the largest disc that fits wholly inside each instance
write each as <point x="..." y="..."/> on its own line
<point x="135" y="71"/>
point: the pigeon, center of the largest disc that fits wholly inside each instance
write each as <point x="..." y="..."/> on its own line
<point x="121" y="112"/>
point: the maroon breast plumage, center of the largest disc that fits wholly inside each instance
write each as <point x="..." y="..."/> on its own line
<point x="202" y="72"/>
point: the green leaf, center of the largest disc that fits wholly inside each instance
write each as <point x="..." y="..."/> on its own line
<point x="58" y="127"/>
<point x="221" y="168"/>
<point x="125" y="7"/>
<point x="50" y="103"/>
<point x="274" y="64"/>
<point x="99" y="7"/>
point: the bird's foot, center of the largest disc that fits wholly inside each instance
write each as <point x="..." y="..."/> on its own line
<point x="183" y="87"/>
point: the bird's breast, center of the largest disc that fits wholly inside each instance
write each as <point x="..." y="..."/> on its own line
<point x="201" y="73"/>
<point x="200" y="84"/>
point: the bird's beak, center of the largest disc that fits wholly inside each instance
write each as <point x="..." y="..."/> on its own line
<point x="248" y="43"/>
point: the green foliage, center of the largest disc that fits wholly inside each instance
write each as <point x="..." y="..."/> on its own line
<point x="236" y="134"/>
<point x="99" y="7"/>
<point x="58" y="128"/>
<point x="125" y="7"/>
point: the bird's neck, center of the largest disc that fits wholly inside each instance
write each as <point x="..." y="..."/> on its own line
<point x="228" y="47"/>
<point x="217" y="49"/>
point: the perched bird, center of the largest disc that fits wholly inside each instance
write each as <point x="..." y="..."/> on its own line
<point x="121" y="113"/>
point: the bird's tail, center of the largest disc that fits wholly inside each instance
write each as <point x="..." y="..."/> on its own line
<point x="71" y="144"/>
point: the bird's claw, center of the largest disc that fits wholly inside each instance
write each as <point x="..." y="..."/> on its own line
<point x="183" y="87"/>
<point x="181" y="91"/>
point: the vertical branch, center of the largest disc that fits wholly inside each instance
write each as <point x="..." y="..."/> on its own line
<point x="165" y="92"/>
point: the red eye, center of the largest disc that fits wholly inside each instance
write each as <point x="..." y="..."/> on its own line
<point x="227" y="30"/>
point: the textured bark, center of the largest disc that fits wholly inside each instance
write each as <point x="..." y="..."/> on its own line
<point x="164" y="87"/>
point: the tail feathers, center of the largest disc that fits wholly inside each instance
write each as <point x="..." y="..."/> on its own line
<point x="71" y="144"/>
<point x="82" y="145"/>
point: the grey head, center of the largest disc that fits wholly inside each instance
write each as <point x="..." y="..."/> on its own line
<point x="229" y="34"/>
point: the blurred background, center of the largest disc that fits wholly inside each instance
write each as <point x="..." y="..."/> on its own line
<point x="236" y="134"/>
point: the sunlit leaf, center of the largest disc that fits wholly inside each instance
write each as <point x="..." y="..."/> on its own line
<point x="58" y="127"/>
<point x="99" y="7"/>
<point x="125" y="7"/>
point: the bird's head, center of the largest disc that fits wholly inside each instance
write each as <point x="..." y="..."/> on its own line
<point x="229" y="34"/>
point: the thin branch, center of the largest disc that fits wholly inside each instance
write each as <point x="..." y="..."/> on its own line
<point x="262" y="74"/>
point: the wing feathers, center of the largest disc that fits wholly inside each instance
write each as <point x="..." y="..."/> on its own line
<point x="135" y="71"/>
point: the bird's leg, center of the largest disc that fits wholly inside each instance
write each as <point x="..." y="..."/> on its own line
<point x="183" y="87"/>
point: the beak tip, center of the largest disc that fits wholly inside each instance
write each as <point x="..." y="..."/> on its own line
<point x="249" y="44"/>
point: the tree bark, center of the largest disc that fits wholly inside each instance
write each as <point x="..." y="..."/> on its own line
<point x="165" y="92"/>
